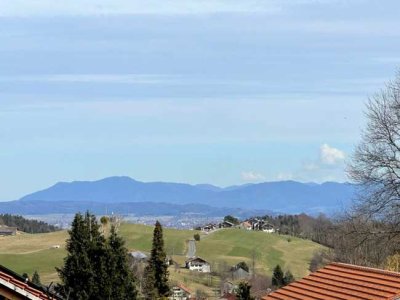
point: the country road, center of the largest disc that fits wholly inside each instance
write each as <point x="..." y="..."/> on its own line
<point x="191" y="249"/>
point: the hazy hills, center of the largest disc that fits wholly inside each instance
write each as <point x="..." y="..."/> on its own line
<point x="124" y="193"/>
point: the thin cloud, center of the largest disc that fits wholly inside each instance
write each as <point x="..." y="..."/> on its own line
<point x="95" y="78"/>
<point x="252" y="176"/>
<point x="124" y="7"/>
<point x="330" y="155"/>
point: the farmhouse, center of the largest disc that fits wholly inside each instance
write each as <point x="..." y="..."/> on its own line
<point x="180" y="292"/>
<point x="198" y="264"/>
<point x="16" y="287"/>
<point x="342" y="281"/>
<point x="209" y="227"/>
<point x="246" y="225"/>
<point x="5" y="230"/>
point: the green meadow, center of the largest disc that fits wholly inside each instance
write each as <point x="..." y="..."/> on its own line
<point x="30" y="252"/>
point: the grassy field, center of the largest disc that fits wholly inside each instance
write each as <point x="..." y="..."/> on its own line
<point x="28" y="252"/>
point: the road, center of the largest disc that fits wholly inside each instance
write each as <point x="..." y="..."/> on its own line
<point x="191" y="249"/>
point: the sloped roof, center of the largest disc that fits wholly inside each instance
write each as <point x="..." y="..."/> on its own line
<point x="196" y="259"/>
<point x="18" y="285"/>
<point x="181" y="286"/>
<point x="138" y="255"/>
<point x="342" y="281"/>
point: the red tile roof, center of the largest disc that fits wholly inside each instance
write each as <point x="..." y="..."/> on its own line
<point x="17" y="284"/>
<point x="181" y="286"/>
<point x="344" y="282"/>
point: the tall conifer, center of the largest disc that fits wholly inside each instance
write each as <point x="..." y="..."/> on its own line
<point x="120" y="276"/>
<point x="158" y="262"/>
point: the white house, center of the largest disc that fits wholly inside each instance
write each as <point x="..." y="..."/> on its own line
<point x="198" y="264"/>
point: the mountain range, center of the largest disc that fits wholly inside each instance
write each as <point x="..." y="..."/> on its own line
<point x="124" y="194"/>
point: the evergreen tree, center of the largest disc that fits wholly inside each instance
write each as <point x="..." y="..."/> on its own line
<point x="84" y="275"/>
<point x="288" y="279"/>
<point x="243" y="291"/>
<point x="149" y="284"/>
<point x="120" y="276"/>
<point x="277" y="277"/>
<point x="36" y="278"/>
<point x="157" y="262"/>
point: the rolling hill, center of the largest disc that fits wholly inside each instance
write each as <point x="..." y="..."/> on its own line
<point x="27" y="252"/>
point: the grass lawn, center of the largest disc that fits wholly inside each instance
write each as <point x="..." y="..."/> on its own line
<point x="30" y="252"/>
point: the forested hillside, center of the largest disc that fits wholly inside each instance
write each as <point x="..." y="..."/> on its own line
<point x="25" y="225"/>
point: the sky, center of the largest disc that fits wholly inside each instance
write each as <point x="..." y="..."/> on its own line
<point x="223" y="92"/>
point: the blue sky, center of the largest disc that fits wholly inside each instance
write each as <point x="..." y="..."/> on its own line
<point x="224" y="92"/>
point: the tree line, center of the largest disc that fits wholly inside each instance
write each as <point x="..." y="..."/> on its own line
<point x="25" y="225"/>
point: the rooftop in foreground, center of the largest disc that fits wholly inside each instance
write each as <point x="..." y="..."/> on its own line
<point x="342" y="281"/>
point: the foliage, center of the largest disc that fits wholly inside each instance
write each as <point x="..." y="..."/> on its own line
<point x="104" y="220"/>
<point x="149" y="290"/>
<point x="158" y="264"/>
<point x="278" y="277"/>
<point x="25" y="225"/>
<point x="393" y="263"/>
<point x="231" y="219"/>
<point x="288" y="278"/>
<point x="95" y="268"/>
<point x="120" y="277"/>
<point x="36" y="278"/>
<point x="320" y="259"/>
<point x="196" y="237"/>
<point x="243" y="291"/>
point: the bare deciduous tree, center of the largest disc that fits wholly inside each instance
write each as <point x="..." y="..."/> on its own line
<point x="375" y="167"/>
<point x="376" y="161"/>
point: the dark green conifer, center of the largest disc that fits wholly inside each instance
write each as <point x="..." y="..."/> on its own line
<point x="277" y="277"/>
<point x="158" y="262"/>
<point x="288" y="279"/>
<point x="120" y="280"/>
<point x="36" y="278"/>
<point x="149" y="284"/>
<point x="83" y="272"/>
<point x="243" y="291"/>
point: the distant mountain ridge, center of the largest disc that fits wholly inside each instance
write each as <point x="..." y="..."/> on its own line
<point x="282" y="196"/>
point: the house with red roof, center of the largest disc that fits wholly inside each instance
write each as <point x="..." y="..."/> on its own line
<point x="181" y="292"/>
<point x="344" y="282"/>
